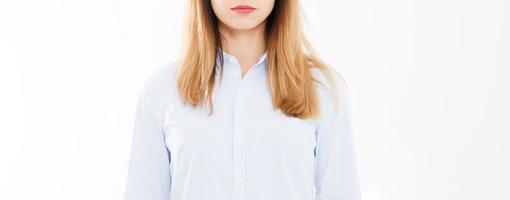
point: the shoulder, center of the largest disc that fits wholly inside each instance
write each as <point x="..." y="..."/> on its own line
<point x="329" y="80"/>
<point x="159" y="85"/>
<point x="161" y="76"/>
<point x="332" y="89"/>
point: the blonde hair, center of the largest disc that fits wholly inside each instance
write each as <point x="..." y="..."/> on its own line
<point x="289" y="54"/>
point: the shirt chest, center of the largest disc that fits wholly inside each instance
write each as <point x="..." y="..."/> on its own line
<point x="243" y="115"/>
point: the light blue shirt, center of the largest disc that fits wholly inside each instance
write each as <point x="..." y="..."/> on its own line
<point x="246" y="150"/>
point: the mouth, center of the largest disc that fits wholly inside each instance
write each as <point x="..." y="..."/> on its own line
<point x="243" y="9"/>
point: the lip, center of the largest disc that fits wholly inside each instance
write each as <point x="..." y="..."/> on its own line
<point x="243" y="9"/>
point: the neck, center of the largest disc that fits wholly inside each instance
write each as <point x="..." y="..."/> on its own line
<point x="247" y="46"/>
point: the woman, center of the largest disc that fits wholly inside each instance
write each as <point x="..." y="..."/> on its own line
<point x="247" y="113"/>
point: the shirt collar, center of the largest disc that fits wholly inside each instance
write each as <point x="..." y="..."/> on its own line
<point x="232" y="59"/>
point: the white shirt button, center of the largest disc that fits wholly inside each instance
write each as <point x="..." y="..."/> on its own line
<point x="239" y="137"/>
<point x="240" y="178"/>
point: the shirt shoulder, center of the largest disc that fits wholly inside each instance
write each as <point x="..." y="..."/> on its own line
<point x="324" y="85"/>
<point x="160" y="86"/>
<point x="332" y="97"/>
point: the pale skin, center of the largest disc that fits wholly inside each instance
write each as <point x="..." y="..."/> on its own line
<point x="244" y="33"/>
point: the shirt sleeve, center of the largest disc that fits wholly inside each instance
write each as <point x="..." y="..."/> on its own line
<point x="148" y="172"/>
<point x="336" y="171"/>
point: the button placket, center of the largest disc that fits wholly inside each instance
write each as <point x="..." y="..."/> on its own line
<point x="238" y="144"/>
<point x="239" y="130"/>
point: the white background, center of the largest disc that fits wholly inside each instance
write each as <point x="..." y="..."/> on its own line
<point x="429" y="84"/>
